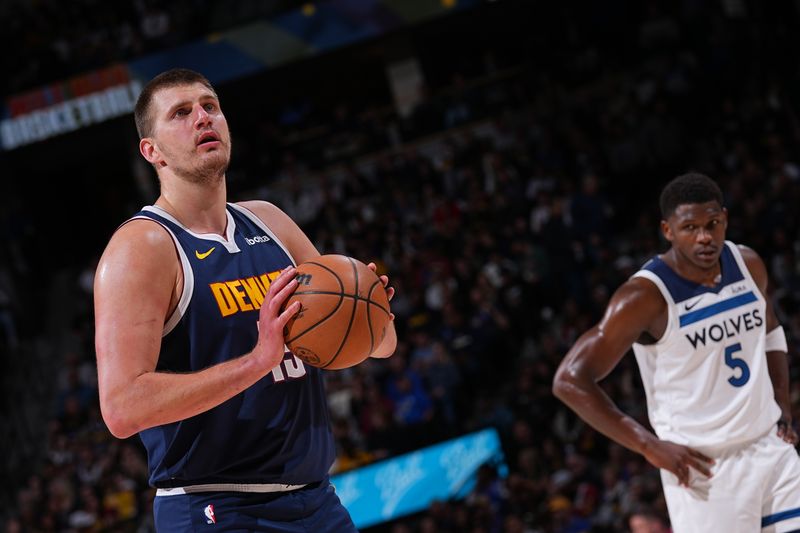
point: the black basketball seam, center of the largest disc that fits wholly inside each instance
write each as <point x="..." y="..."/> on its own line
<point x="326" y="317"/>
<point x="344" y="295"/>
<point x="352" y="316"/>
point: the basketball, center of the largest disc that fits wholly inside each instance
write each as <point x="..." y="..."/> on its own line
<point x="344" y="313"/>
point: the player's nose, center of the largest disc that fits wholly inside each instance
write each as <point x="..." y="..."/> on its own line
<point x="203" y="118"/>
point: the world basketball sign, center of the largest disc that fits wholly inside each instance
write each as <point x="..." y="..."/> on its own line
<point x="409" y="483"/>
<point x="68" y="106"/>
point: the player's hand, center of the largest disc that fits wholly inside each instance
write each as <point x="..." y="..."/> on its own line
<point x="385" y="280"/>
<point x="678" y="459"/>
<point x="271" y="321"/>
<point x="786" y="430"/>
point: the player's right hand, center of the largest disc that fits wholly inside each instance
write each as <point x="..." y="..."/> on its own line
<point x="271" y="321"/>
<point x="678" y="459"/>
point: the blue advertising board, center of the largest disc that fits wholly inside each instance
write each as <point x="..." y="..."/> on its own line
<point x="409" y="483"/>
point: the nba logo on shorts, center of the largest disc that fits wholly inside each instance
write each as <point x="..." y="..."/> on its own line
<point x="211" y="518"/>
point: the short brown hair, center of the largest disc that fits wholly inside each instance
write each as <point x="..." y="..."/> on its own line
<point x="170" y="78"/>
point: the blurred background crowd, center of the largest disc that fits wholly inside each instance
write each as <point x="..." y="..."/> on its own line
<point x="506" y="208"/>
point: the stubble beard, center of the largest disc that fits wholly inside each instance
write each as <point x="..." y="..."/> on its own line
<point x="208" y="171"/>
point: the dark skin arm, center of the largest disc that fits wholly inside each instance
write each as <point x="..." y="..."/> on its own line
<point x="636" y="310"/>
<point x="777" y="362"/>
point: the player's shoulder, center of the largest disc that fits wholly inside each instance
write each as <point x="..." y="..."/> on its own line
<point x="140" y="259"/>
<point x="266" y="211"/>
<point x="637" y="305"/>
<point x="748" y="254"/>
<point x="142" y="231"/>
<point x="639" y="287"/>
<point x="755" y="264"/>
<point x="143" y="238"/>
<point x="638" y="295"/>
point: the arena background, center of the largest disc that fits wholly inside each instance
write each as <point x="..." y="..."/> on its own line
<point x="500" y="160"/>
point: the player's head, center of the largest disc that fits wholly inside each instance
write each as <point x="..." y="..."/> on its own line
<point x="181" y="126"/>
<point x="171" y="78"/>
<point x="691" y="188"/>
<point x="693" y="218"/>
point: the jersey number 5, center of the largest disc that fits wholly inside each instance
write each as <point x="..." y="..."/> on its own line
<point x="734" y="363"/>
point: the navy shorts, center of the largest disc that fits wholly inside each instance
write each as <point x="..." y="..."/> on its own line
<point x="315" y="508"/>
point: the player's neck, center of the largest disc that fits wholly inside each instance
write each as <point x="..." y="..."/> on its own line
<point x="198" y="206"/>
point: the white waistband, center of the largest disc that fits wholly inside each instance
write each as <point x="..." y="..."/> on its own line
<point x="228" y="487"/>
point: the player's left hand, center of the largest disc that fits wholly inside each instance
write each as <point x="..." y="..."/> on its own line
<point x="786" y="431"/>
<point x="385" y="280"/>
<point x="389" y="343"/>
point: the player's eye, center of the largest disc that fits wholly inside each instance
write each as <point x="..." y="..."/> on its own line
<point x="182" y="112"/>
<point x="209" y="107"/>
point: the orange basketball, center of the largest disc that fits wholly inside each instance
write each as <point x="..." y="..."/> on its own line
<point x="344" y="314"/>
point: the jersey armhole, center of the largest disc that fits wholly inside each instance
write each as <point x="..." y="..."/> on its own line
<point x="188" y="278"/>
<point x="742" y="264"/>
<point x="255" y="219"/>
<point x="665" y="294"/>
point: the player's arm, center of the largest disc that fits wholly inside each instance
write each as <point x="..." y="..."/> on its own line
<point x="636" y="308"/>
<point x="302" y="249"/>
<point x="777" y="360"/>
<point x="135" y="289"/>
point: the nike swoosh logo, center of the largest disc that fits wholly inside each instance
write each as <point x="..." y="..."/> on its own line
<point x="688" y="307"/>
<point x="204" y="254"/>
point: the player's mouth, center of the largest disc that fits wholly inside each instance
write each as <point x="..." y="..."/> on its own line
<point x="208" y="139"/>
<point x="707" y="254"/>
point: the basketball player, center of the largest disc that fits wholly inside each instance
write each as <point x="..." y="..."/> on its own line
<point x="189" y="337"/>
<point x="713" y="362"/>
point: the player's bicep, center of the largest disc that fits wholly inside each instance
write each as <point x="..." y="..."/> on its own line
<point x="134" y="283"/>
<point x="632" y="311"/>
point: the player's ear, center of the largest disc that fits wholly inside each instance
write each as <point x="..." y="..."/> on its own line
<point x="150" y="151"/>
<point x="666" y="230"/>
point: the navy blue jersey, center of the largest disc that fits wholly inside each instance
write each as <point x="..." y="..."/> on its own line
<point x="276" y="431"/>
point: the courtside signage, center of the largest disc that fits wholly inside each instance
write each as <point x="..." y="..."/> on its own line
<point x="409" y="483"/>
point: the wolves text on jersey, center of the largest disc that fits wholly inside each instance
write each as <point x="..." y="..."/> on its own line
<point x="727" y="328"/>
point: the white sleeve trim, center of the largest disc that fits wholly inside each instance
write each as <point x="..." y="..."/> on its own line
<point x="662" y="288"/>
<point x="188" y="281"/>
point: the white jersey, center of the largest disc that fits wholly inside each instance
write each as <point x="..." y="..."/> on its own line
<point x="706" y="379"/>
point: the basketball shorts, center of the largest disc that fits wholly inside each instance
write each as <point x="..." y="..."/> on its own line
<point x="313" y="508"/>
<point x="753" y="488"/>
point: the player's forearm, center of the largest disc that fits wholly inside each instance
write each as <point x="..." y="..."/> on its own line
<point x="156" y="398"/>
<point x="778" y="365"/>
<point x="589" y="402"/>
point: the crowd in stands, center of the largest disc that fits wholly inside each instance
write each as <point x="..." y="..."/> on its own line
<point x="505" y="214"/>
<point x="63" y="39"/>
